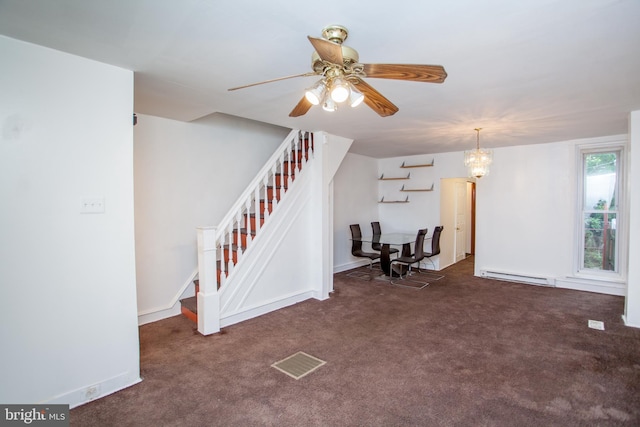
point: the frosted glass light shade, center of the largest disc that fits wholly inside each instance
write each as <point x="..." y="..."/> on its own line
<point x="329" y="104"/>
<point x="356" y="97"/>
<point x="316" y="93"/>
<point x="339" y="90"/>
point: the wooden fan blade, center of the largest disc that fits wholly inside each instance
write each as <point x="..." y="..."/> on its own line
<point x="273" y="80"/>
<point x="301" y="109"/>
<point x="416" y="73"/>
<point x="327" y="50"/>
<point x="374" y="99"/>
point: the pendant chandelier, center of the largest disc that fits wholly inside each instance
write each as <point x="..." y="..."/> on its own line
<point x="477" y="161"/>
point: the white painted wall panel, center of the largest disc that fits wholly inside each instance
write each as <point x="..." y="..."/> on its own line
<point x="68" y="301"/>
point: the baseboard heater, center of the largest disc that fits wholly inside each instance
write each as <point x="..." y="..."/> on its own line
<point x="515" y="277"/>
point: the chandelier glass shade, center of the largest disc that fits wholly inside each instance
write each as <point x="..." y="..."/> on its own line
<point x="478" y="161"/>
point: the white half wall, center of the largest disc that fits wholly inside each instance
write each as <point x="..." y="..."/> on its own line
<point x="68" y="296"/>
<point x="187" y="174"/>
<point x="355" y="190"/>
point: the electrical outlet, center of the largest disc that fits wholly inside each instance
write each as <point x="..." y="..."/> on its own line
<point x="92" y="392"/>
<point x="92" y="205"/>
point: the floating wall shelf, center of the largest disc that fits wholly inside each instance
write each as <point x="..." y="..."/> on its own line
<point x="418" y="166"/>
<point x="382" y="178"/>
<point x="416" y="189"/>
<point x="394" y="201"/>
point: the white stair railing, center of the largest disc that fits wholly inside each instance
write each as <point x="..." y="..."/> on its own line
<point x="222" y="247"/>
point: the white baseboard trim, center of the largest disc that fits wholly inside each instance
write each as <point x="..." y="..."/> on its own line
<point x="349" y="266"/>
<point x="161" y="314"/>
<point x="188" y="289"/>
<point x="590" y="285"/>
<point x="92" y="392"/>
<point x="246" y="314"/>
<point x="626" y="322"/>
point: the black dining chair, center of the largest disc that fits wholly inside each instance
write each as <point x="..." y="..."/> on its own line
<point x="435" y="245"/>
<point x="375" y="227"/>
<point x="356" y="245"/>
<point x="402" y="265"/>
<point x="435" y="250"/>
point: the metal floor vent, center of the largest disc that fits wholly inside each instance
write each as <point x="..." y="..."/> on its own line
<point x="298" y="365"/>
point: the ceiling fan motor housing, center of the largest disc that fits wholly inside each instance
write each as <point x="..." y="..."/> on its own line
<point x="349" y="55"/>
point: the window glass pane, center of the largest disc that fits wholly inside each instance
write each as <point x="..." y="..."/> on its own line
<point x="599" y="211"/>
<point x="600" y="241"/>
<point x="600" y="181"/>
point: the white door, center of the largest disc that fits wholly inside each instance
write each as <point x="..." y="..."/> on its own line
<point x="461" y="216"/>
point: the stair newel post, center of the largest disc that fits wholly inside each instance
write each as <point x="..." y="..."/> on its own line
<point x="208" y="297"/>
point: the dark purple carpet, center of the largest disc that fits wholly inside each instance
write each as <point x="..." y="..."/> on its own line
<point x="463" y="351"/>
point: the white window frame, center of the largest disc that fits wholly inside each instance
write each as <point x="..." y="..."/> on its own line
<point x="619" y="145"/>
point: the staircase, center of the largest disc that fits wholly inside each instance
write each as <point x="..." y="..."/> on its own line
<point x="227" y="245"/>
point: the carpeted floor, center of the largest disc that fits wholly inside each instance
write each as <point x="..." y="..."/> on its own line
<point x="463" y="351"/>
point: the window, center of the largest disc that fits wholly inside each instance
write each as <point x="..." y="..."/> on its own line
<point x="599" y="211"/>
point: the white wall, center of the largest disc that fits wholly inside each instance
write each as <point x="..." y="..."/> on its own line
<point x="423" y="209"/>
<point x="355" y="191"/>
<point x="525" y="210"/>
<point x="68" y="304"/>
<point x="187" y="175"/>
<point x="632" y="302"/>
<point x="525" y="218"/>
<point x="526" y="215"/>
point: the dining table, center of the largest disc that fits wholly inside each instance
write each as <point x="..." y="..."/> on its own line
<point x="386" y="240"/>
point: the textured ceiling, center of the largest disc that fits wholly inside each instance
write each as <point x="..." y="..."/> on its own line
<point x="526" y="71"/>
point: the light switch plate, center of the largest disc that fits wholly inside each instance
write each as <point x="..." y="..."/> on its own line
<point x="92" y="205"/>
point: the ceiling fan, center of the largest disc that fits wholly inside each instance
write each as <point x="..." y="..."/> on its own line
<point x="342" y="76"/>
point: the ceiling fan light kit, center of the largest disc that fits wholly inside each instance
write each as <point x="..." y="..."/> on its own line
<point x="342" y="76"/>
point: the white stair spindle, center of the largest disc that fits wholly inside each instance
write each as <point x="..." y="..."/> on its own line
<point x="256" y="208"/>
<point x="223" y="267"/>
<point x="230" y="230"/>
<point x="239" y="245"/>
<point x="299" y="155"/>
<point x="273" y="178"/>
<point x="281" y="175"/>
<point x="266" y="196"/>
<point x="305" y="148"/>
<point x="247" y="210"/>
